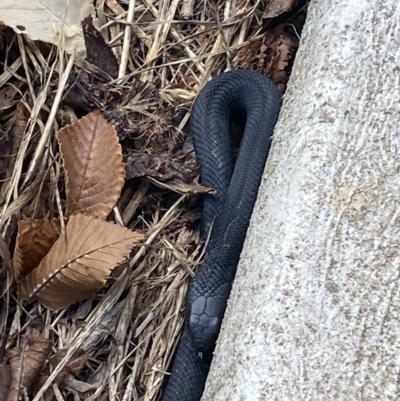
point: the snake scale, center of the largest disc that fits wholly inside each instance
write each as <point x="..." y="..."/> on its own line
<point x="225" y="99"/>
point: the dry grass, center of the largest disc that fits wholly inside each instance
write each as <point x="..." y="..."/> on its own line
<point x="166" y="50"/>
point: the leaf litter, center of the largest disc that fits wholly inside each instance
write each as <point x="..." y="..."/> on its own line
<point x="117" y="341"/>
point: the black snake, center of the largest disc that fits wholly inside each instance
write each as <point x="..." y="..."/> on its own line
<point x="233" y="94"/>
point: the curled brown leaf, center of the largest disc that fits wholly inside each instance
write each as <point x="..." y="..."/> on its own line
<point x="34" y="240"/>
<point x="79" y="263"/>
<point x="98" y="51"/>
<point x="282" y="49"/>
<point x="26" y="361"/>
<point x="7" y="96"/>
<point x="161" y="167"/>
<point x="273" y="56"/>
<point x="9" y="149"/>
<point x="72" y="367"/>
<point x="278" y="7"/>
<point x="93" y="164"/>
<point x="5" y="380"/>
<point x="67" y="373"/>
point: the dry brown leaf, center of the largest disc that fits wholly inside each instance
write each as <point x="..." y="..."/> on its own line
<point x="7" y="95"/>
<point x="273" y="56"/>
<point x="79" y="263"/>
<point x="26" y="362"/>
<point x="183" y="188"/>
<point x="5" y="380"/>
<point x="93" y="164"/>
<point x="282" y="49"/>
<point x="67" y="374"/>
<point x="278" y="7"/>
<point x="48" y="21"/>
<point x="5" y="256"/>
<point x="98" y="52"/>
<point x="21" y="120"/>
<point x="9" y="149"/>
<point x="5" y="151"/>
<point x="161" y="167"/>
<point x="34" y="240"/>
<point x="72" y="367"/>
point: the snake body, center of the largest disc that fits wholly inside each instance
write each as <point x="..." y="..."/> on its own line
<point x="227" y="214"/>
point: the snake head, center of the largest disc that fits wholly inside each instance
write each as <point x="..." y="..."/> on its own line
<point x="204" y="322"/>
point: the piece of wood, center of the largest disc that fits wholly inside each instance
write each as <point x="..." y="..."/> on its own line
<point x="314" y="311"/>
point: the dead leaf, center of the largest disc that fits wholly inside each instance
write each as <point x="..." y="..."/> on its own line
<point x="7" y="95"/>
<point x="183" y="188"/>
<point x="278" y="7"/>
<point x="5" y="380"/>
<point x="79" y="263"/>
<point x="273" y="56"/>
<point x="12" y="147"/>
<point x="80" y="386"/>
<point x="21" y="120"/>
<point x="98" y="51"/>
<point x="183" y="91"/>
<point x="56" y="22"/>
<point x="34" y="240"/>
<point x="5" y="256"/>
<point x="72" y="367"/>
<point x="5" y="151"/>
<point x="280" y="56"/>
<point x="67" y="374"/>
<point x="93" y="164"/>
<point x="26" y="361"/>
<point x="161" y="167"/>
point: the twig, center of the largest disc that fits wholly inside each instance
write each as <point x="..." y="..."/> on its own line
<point x="49" y="124"/>
<point x="187" y="9"/>
<point x="8" y="73"/>
<point x="127" y="39"/>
